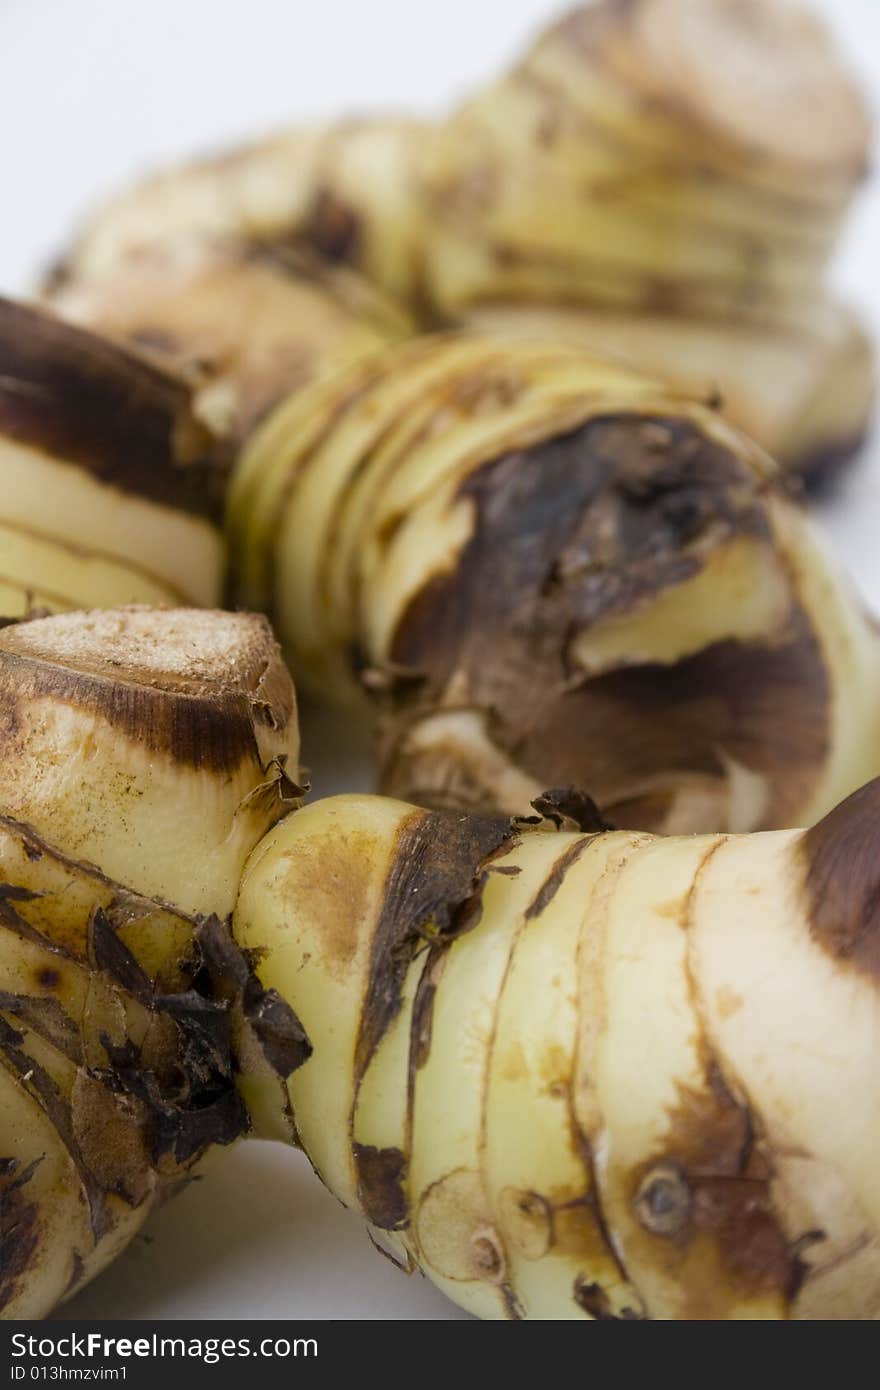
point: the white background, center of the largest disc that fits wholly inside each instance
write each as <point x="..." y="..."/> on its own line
<point x="92" y="92"/>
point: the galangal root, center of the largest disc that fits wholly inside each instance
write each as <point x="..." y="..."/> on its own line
<point x="565" y="1071"/>
<point x="646" y="181"/>
<point x="531" y="567"/>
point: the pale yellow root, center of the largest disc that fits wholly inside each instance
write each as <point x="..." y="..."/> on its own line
<point x="588" y="1075"/>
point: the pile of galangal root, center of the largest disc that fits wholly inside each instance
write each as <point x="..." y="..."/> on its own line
<point x="479" y="415"/>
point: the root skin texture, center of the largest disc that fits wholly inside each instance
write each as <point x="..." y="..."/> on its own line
<point x="605" y="1076"/>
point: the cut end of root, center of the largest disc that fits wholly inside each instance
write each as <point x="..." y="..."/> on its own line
<point x="157" y="674"/>
<point x="183" y="649"/>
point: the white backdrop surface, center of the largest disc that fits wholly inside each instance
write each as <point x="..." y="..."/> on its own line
<point x="94" y="92"/>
